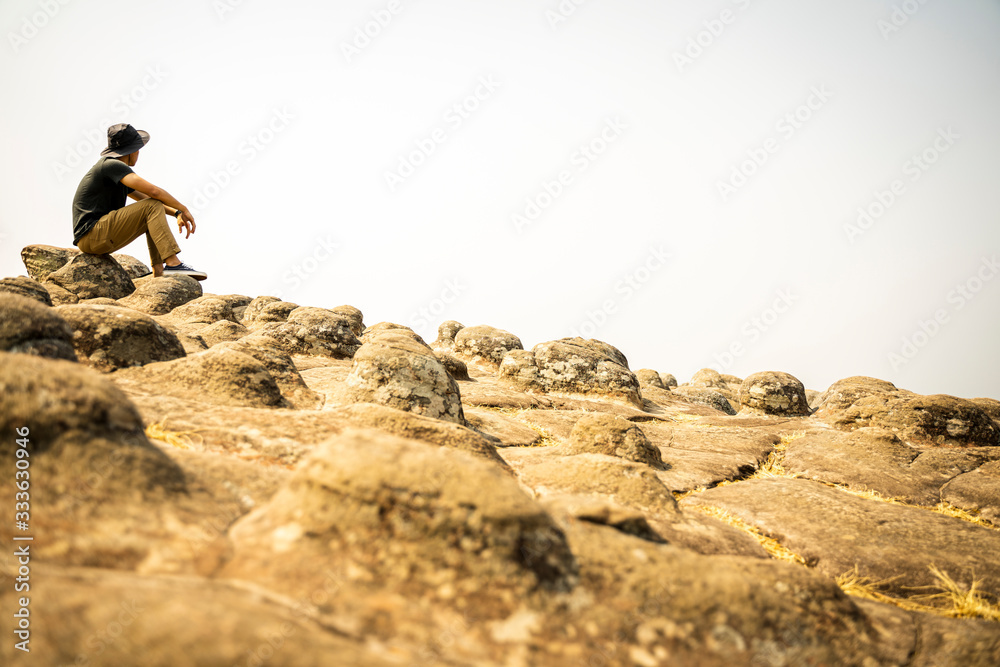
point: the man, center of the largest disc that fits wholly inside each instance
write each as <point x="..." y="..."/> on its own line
<point x="103" y="224"/>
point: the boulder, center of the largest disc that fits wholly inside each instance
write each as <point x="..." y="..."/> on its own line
<point x="220" y="332"/>
<point x="132" y="266"/>
<point x="573" y="366"/>
<point x="404" y="514"/>
<point x="649" y="377"/>
<point x="219" y="376"/>
<point x="41" y="260"/>
<point x="455" y="366"/>
<point x="708" y="377"/>
<point x="204" y="310"/>
<point x="842" y="393"/>
<point x="613" y="436"/>
<point x="938" y="420"/>
<point x="355" y="316"/>
<point x="111" y="337"/>
<point x="484" y="345"/>
<point x="704" y="396"/>
<point x="59" y="295"/>
<point x="26" y="287"/>
<point x="977" y="491"/>
<point x="669" y="381"/>
<point x="159" y="296"/>
<point x="28" y="327"/>
<point x="91" y="276"/>
<point x="238" y="302"/>
<point x="395" y="370"/>
<point x="281" y="367"/>
<point x="376" y="329"/>
<point x="266" y="310"/>
<point x="509" y="431"/>
<point x="307" y="331"/>
<point x="446" y="335"/>
<point x="773" y="393"/>
<point x="990" y="406"/>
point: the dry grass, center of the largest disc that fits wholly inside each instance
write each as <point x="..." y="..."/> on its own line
<point x="774" y="548"/>
<point x="941" y="508"/>
<point x="178" y="439"/>
<point x="954" y="601"/>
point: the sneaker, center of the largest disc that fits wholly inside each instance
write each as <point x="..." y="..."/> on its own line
<point x="183" y="269"/>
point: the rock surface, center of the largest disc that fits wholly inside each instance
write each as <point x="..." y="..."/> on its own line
<point x="158" y="296"/>
<point x="28" y="327"/>
<point x="111" y="337"/>
<point x="482" y="345"/>
<point x="774" y="393"/>
<point x="92" y="276"/>
<point x="26" y="287"/>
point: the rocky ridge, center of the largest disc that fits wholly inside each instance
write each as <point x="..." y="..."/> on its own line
<point x="220" y="479"/>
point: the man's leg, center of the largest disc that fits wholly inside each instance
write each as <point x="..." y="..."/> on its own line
<point x="120" y="227"/>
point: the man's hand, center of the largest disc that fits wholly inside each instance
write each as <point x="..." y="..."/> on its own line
<point x="185" y="221"/>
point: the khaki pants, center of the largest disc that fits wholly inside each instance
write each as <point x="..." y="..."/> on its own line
<point x="119" y="228"/>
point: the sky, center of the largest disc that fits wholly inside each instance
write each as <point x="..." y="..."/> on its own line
<point x="746" y="185"/>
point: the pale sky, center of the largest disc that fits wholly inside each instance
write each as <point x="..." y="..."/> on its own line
<point x="679" y="179"/>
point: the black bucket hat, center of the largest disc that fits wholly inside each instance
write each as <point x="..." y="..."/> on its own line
<point x="123" y="139"/>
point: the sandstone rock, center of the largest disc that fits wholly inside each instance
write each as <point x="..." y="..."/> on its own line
<point x="60" y="296"/>
<point x="484" y="345"/>
<point x="773" y="393"/>
<point x="355" y="316"/>
<point x="99" y="301"/>
<point x="158" y="296"/>
<point x="613" y="436"/>
<point x="28" y="327"/>
<point x="221" y="331"/>
<point x="650" y="377"/>
<point x="90" y="276"/>
<point x="669" y="381"/>
<point x="446" y="335"/>
<point x="510" y="432"/>
<point x="281" y="367"/>
<point x="204" y="310"/>
<point x="704" y="396"/>
<point x="132" y="266"/>
<point x="266" y="310"/>
<point x="376" y="329"/>
<point x="572" y="365"/>
<point x="41" y="260"/>
<point x="990" y="406"/>
<point x="407" y="514"/>
<point x="394" y="370"/>
<point x="937" y="420"/>
<point x="455" y="366"/>
<point x="238" y="302"/>
<point x="977" y="491"/>
<point x="836" y="532"/>
<point x="309" y="331"/>
<point x="425" y="429"/>
<point x="110" y="337"/>
<point x="26" y="287"/>
<point x="219" y="376"/>
<point x="708" y="377"/>
<point x="842" y="393"/>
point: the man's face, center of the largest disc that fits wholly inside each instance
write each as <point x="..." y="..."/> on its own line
<point x="132" y="159"/>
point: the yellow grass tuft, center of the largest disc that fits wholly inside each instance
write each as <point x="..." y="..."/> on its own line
<point x="774" y="548"/>
<point x="958" y="513"/>
<point x="178" y="439"/>
<point x="963" y="603"/>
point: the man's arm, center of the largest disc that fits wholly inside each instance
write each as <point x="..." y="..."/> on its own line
<point x="143" y="189"/>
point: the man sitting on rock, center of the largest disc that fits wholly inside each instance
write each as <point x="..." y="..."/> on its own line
<point x="102" y="223"/>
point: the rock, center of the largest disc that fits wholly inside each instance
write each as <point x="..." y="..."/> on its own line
<point x="111" y="337"/>
<point x="91" y="276"/>
<point x="59" y="295"/>
<point x="939" y="420"/>
<point x="603" y="512"/>
<point x="403" y="513"/>
<point x="238" y="302"/>
<point x="132" y="266"/>
<point x="484" y="346"/>
<point x="650" y="377"/>
<point x="990" y="406"/>
<point x="669" y="381"/>
<point x="355" y="316"/>
<point x="395" y="370"/>
<point x="99" y="301"/>
<point x="836" y="532"/>
<point x="159" y="296"/>
<point x="425" y="429"/>
<point x="455" y="366"/>
<point x="574" y="366"/>
<point x="28" y="327"/>
<point x="708" y="377"/>
<point x="773" y="393"/>
<point x="281" y="367"/>
<point x="446" y="335"/>
<point x="842" y="393"/>
<point x="510" y="432"/>
<point x="221" y="331"/>
<point x="266" y="310"/>
<point x="376" y="329"/>
<point x="41" y="260"/>
<point x="204" y="310"/>
<point x="613" y="436"/>
<point x="977" y="491"/>
<point x="218" y="376"/>
<point x="26" y="287"/>
<point x="704" y="396"/>
<point x="309" y="331"/>
<point x="876" y="459"/>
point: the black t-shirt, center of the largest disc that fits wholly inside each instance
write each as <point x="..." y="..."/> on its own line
<point x="99" y="193"/>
